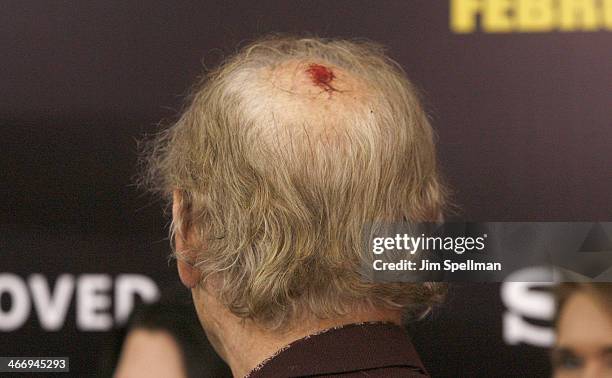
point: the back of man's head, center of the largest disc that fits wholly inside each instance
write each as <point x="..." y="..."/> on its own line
<point x="283" y="155"/>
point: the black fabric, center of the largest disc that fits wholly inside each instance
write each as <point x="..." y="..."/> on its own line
<point x="363" y="349"/>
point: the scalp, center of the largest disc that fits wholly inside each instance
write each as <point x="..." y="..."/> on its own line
<point x="309" y="93"/>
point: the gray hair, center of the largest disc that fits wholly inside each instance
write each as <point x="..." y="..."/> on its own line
<point x="279" y="180"/>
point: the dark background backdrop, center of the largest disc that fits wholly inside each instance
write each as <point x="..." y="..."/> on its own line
<point x="523" y="121"/>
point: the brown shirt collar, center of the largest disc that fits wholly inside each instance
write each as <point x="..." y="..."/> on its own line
<point x="344" y="350"/>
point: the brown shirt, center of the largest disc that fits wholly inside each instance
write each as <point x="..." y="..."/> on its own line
<point x="354" y="350"/>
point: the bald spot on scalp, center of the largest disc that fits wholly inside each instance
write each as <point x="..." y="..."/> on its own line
<point x="289" y="94"/>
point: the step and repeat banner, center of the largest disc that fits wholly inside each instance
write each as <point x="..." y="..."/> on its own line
<point x="518" y="91"/>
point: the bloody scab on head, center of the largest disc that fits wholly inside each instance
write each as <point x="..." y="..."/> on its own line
<point x="321" y="76"/>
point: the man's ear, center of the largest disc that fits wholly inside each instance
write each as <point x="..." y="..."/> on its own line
<point x="188" y="274"/>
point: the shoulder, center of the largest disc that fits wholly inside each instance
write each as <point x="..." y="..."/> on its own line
<point x="354" y="350"/>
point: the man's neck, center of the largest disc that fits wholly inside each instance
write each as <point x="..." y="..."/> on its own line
<point x="246" y="345"/>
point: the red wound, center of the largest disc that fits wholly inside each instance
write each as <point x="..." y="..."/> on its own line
<point x="321" y="76"/>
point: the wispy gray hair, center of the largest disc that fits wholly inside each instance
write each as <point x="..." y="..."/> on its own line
<point x="277" y="189"/>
